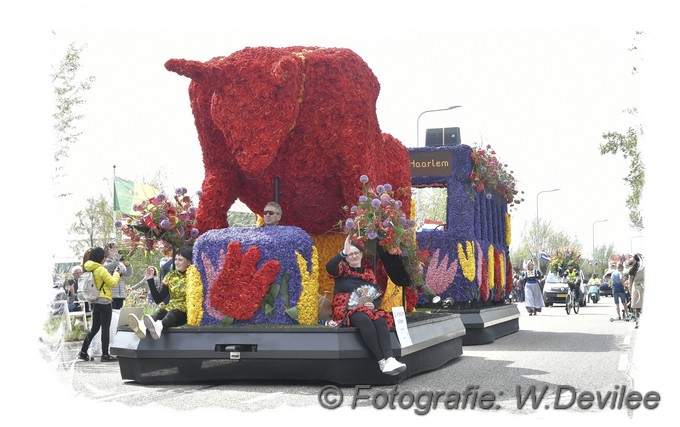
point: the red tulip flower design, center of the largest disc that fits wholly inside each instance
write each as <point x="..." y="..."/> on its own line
<point x="240" y="286"/>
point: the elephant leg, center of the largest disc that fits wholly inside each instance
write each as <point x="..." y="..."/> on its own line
<point x="219" y="193"/>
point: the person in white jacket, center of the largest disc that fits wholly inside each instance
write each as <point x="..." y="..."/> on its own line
<point x="114" y="260"/>
<point x="145" y="285"/>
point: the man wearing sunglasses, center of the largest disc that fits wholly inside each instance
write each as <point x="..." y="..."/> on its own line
<point x="272" y="213"/>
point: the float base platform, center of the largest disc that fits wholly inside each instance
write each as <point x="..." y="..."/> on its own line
<point x="289" y="353"/>
<point x="483" y="326"/>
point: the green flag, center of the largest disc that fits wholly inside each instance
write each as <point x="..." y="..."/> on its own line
<point x="127" y="193"/>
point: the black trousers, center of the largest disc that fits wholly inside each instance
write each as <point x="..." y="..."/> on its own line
<point x="375" y="334"/>
<point x="170" y="318"/>
<point x="101" y="318"/>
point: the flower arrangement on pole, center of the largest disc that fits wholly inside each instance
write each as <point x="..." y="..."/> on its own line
<point x="161" y="222"/>
<point x="489" y="174"/>
<point x="378" y="218"/>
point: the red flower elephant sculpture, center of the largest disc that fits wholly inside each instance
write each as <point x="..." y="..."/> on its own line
<point x="304" y="115"/>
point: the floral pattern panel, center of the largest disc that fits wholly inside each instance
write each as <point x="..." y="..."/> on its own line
<point x="254" y="276"/>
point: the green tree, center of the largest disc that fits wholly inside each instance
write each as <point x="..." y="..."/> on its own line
<point x="69" y="90"/>
<point x="93" y="225"/>
<point x="430" y="204"/>
<point x="627" y="145"/>
<point x="602" y="255"/>
<point x="542" y="237"/>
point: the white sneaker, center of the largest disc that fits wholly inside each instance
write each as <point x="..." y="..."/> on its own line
<point x="154" y="326"/>
<point x="137" y="326"/>
<point x="393" y="367"/>
<point x="381" y="364"/>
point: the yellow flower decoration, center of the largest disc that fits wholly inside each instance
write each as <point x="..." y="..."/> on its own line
<point x="392" y="297"/>
<point x="328" y="246"/>
<point x="508" y="229"/>
<point x="490" y="265"/>
<point x="259" y="220"/>
<point x="467" y="260"/>
<point x="308" y="304"/>
<point x="501" y="260"/>
<point x="194" y="296"/>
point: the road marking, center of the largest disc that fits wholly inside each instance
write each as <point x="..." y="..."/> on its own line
<point x="623" y="362"/>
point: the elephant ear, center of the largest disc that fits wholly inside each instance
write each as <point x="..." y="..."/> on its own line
<point x="257" y="107"/>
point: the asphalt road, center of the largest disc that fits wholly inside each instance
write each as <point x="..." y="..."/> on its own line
<point x="562" y="355"/>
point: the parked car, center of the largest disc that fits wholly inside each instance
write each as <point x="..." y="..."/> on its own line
<point x="606" y="285"/>
<point x="555" y="289"/>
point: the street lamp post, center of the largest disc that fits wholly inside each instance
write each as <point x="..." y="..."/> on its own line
<point x="631" y="243"/>
<point x="538" y="255"/>
<point x="595" y="222"/>
<point x="429" y="111"/>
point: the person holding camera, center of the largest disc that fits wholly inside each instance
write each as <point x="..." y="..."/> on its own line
<point x="115" y="260"/>
<point x="101" y="309"/>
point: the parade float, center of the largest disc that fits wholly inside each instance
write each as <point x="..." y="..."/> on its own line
<point x="298" y="125"/>
<point x="469" y="271"/>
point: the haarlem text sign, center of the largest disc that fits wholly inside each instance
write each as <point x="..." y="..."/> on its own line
<point x="431" y="163"/>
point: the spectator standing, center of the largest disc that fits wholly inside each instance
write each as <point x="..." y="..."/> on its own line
<point x="114" y="263"/>
<point x="636" y="274"/>
<point x="519" y="287"/>
<point x="166" y="262"/>
<point x="145" y="283"/>
<point x="120" y="290"/>
<point x="101" y="309"/>
<point x="618" y="291"/>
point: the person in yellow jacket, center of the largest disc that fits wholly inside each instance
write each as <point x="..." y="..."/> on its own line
<point x="174" y="313"/>
<point x="102" y="309"/>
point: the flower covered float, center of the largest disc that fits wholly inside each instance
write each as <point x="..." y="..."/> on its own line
<point x="470" y="261"/>
<point x="299" y="119"/>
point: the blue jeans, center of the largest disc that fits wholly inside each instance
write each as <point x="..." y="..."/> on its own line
<point x="620" y="296"/>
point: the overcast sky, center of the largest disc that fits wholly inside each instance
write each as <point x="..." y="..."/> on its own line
<point x="539" y="81"/>
<point x="540" y="94"/>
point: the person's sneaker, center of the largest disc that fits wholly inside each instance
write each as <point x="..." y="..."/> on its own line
<point x="381" y="364"/>
<point x="108" y="358"/>
<point x="153" y="326"/>
<point x="137" y="326"/>
<point x="84" y="356"/>
<point x="393" y="367"/>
